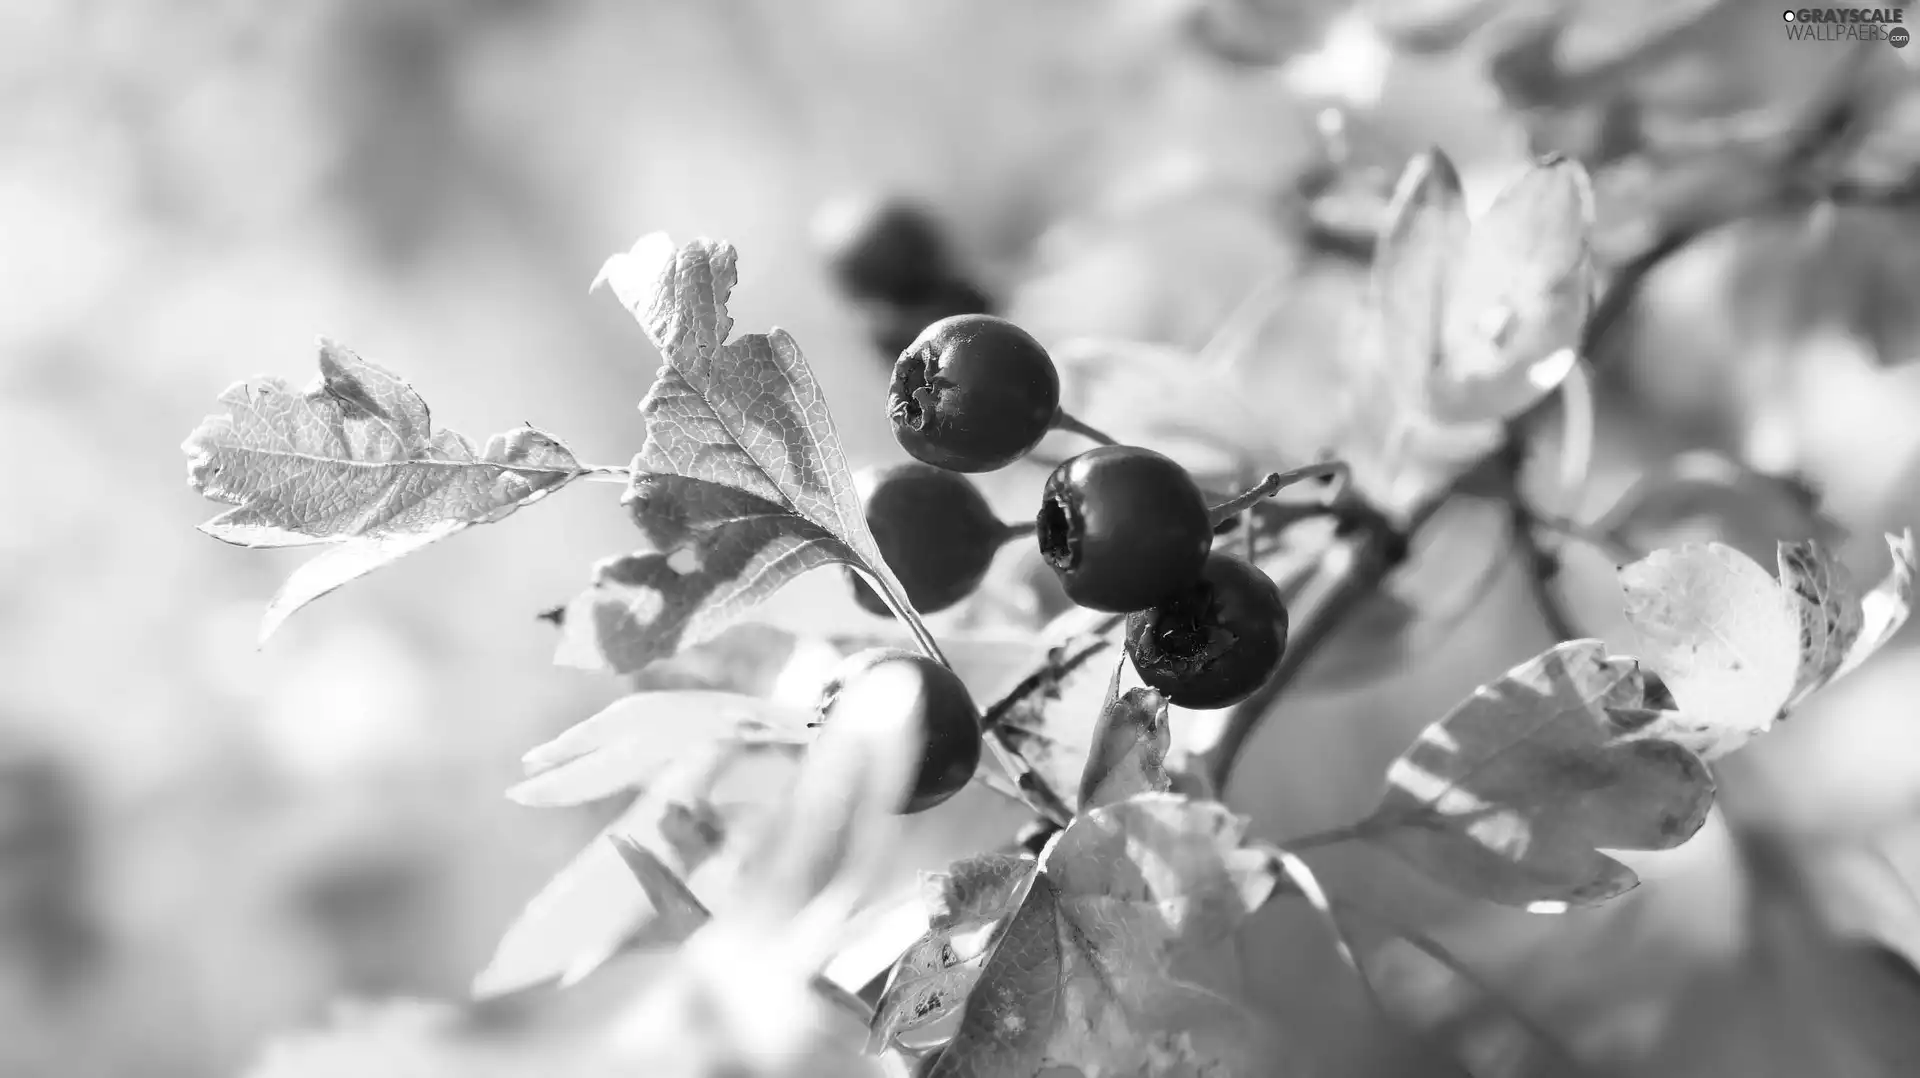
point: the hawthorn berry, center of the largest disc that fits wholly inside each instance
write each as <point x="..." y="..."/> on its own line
<point x="973" y="393"/>
<point x="948" y="719"/>
<point x="935" y="531"/>
<point x="891" y="251"/>
<point x="1215" y="643"/>
<point x="1123" y="528"/>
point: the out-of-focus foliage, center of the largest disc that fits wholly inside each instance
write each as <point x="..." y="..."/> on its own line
<point x="201" y="843"/>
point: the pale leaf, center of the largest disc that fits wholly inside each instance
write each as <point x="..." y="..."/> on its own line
<point x="590" y="910"/>
<point x="1512" y="796"/>
<point x="1738" y="648"/>
<point x="1427" y="229"/>
<point x="354" y="462"/>
<point x="633" y="738"/>
<point x="1518" y="297"/>
<point x="741" y="484"/>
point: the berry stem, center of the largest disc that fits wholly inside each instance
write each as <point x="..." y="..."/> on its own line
<point x="1022" y="530"/>
<point x="1064" y="421"/>
<point x="1327" y="472"/>
<point x="890" y="594"/>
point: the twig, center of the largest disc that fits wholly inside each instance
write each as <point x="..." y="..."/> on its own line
<point x="1066" y="422"/>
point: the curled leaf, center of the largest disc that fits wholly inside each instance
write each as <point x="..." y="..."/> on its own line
<point x="966" y="906"/>
<point x="354" y="463"/>
<point x="1737" y="648"/>
<point x="1129" y="750"/>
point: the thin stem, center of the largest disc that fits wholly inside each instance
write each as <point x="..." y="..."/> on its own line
<point x="1022" y="530"/>
<point x="1326" y="471"/>
<point x="1063" y="421"/>
<point x="904" y="611"/>
<point x="1615" y="548"/>
<point x="1332" y="836"/>
<point x="1439" y="952"/>
<point x="1542" y="565"/>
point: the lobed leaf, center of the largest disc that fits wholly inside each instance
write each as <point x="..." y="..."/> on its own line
<point x="1737" y="648"/>
<point x="741" y="484"/>
<point x="354" y="463"/>
<point x="1512" y="796"/>
<point x="1079" y="979"/>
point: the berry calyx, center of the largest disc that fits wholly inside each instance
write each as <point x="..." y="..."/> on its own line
<point x="949" y="721"/>
<point x="890" y="250"/>
<point x="973" y="393"/>
<point x="1123" y="528"/>
<point x="934" y="529"/>
<point x="1216" y="643"/>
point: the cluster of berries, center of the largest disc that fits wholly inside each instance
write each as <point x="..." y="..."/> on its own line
<point x="1125" y="529"/>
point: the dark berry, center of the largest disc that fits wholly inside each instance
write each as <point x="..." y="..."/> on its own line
<point x="948" y="719"/>
<point x="896" y="326"/>
<point x="973" y="393"/>
<point x="1215" y="643"/>
<point x="1123" y="528"/>
<point x="936" y="532"/>
<point x="891" y="251"/>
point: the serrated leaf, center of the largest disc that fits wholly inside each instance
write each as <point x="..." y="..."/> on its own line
<point x="1080" y="977"/>
<point x="1512" y="796"/>
<point x="931" y="981"/>
<point x="590" y="910"/>
<point x="1129" y="749"/>
<point x="354" y="462"/>
<point x="1737" y="648"/>
<point x="741" y="484"/>
<point x="1518" y="297"/>
<point x="632" y="739"/>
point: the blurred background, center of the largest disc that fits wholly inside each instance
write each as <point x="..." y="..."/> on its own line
<point x="204" y="844"/>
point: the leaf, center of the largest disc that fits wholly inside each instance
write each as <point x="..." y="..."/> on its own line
<point x="636" y="736"/>
<point x="1425" y="26"/>
<point x="1737" y="648"/>
<point x="1079" y="979"/>
<point x="741" y="484"/>
<point x="1427" y="228"/>
<point x="1048" y="717"/>
<point x="965" y="906"/>
<point x="1518" y="297"/>
<point x="354" y="462"/>
<point x="1512" y="795"/>
<point x="590" y="910"/>
<point x="1130" y="746"/>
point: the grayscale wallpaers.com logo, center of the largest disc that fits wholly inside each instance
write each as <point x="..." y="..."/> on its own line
<point x="1847" y="24"/>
